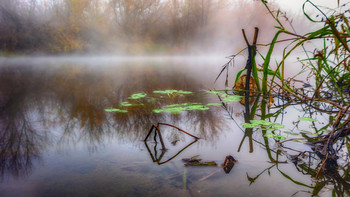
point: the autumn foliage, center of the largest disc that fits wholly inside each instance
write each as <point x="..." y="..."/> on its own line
<point x="123" y="26"/>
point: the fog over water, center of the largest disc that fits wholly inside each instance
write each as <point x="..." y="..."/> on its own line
<point x="83" y="82"/>
<point x="117" y="27"/>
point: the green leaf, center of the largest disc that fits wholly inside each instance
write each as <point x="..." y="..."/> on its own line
<point x="271" y="126"/>
<point x="178" y="108"/>
<point x="276" y="137"/>
<point x="262" y="122"/>
<point x="270" y="135"/>
<point x="278" y="126"/>
<point x="137" y="96"/>
<point x="125" y="104"/>
<point x="216" y="92"/>
<point x="184" y="92"/>
<point x="248" y="125"/>
<point x="239" y="74"/>
<point x="213" y="104"/>
<point x="307" y="119"/>
<point x="158" y="111"/>
<point x="116" y="110"/>
<point x="232" y="98"/>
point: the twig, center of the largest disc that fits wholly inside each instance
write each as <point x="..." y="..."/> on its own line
<point x="209" y="175"/>
<point x="319" y="171"/>
<point x="177" y="129"/>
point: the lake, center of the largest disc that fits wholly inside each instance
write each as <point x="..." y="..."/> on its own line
<point x="76" y="127"/>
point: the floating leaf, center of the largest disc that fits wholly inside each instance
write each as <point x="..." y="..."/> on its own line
<point x="270" y="126"/>
<point x="270" y="135"/>
<point x="178" y="108"/>
<point x="172" y="92"/>
<point x="164" y="91"/>
<point x="307" y="119"/>
<point x="158" y="111"/>
<point x="278" y="126"/>
<point x="276" y="137"/>
<point x="214" y="92"/>
<point x="116" y="110"/>
<point x="213" y="104"/>
<point x="248" y="125"/>
<point x="184" y="92"/>
<point x="137" y="96"/>
<point x="262" y="122"/>
<point x="233" y="98"/>
<point x="125" y="104"/>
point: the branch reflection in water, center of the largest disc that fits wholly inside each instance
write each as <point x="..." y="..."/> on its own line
<point x="44" y="106"/>
<point x="327" y="174"/>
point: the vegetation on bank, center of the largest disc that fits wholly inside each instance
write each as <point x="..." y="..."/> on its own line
<point x="325" y="90"/>
<point x="123" y="26"/>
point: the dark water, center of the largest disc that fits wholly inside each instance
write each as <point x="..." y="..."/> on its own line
<point x="56" y="139"/>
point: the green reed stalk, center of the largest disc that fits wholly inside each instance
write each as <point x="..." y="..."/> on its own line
<point x="267" y="62"/>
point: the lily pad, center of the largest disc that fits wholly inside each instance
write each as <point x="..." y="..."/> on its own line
<point x="271" y="126"/>
<point x="164" y="91"/>
<point x="232" y="98"/>
<point x="158" y="111"/>
<point x="125" y="104"/>
<point x="307" y="119"/>
<point x="178" y="108"/>
<point x="276" y="137"/>
<point x="213" y="104"/>
<point x="168" y="92"/>
<point x="137" y="96"/>
<point x="116" y="110"/>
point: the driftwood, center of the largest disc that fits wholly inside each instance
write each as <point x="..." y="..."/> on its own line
<point x="251" y="58"/>
<point x="156" y="130"/>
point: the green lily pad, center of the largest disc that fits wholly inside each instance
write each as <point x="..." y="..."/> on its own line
<point x="276" y="137"/>
<point x="270" y="126"/>
<point x="184" y="92"/>
<point x="168" y="92"/>
<point x="164" y="91"/>
<point x="248" y="125"/>
<point x="125" y="104"/>
<point x="178" y="108"/>
<point x="137" y="96"/>
<point x="213" y="104"/>
<point x="307" y="119"/>
<point x="232" y="98"/>
<point x="116" y="110"/>
<point x="158" y="111"/>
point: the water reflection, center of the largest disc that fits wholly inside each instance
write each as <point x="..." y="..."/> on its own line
<point x="323" y="169"/>
<point x="20" y="140"/>
<point x="62" y="105"/>
<point x="43" y="108"/>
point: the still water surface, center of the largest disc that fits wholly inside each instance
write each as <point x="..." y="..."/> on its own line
<point x="58" y="140"/>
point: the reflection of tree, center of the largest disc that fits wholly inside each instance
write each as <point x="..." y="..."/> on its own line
<point x="20" y="142"/>
<point x="73" y="99"/>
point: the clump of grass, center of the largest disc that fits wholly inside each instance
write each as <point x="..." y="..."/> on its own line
<point x="329" y="63"/>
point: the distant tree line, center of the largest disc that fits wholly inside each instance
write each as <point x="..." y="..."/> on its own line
<point x="130" y="26"/>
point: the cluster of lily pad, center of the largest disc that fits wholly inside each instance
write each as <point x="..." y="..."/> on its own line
<point x="226" y="97"/>
<point x="276" y="137"/>
<point x="172" y="92"/>
<point x="116" y="110"/>
<point x="124" y="104"/>
<point x="270" y="126"/>
<point x="175" y="108"/>
<point x="178" y="108"/>
<point x="137" y="96"/>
